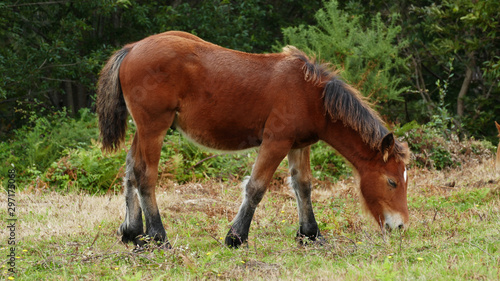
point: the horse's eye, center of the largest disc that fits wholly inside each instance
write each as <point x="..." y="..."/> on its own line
<point x="391" y="183"/>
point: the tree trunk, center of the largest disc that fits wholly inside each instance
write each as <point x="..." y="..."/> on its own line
<point x="55" y="99"/>
<point x="70" y="104"/>
<point x="463" y="92"/>
<point x="420" y="83"/>
<point x="82" y="96"/>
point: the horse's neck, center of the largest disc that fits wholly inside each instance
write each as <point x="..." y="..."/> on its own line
<point x="349" y="144"/>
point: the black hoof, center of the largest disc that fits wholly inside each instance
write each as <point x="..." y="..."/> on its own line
<point x="158" y="236"/>
<point x="129" y="235"/>
<point x="315" y="239"/>
<point x="233" y="240"/>
<point x="149" y="244"/>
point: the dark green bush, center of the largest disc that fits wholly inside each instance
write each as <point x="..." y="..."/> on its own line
<point x="44" y="139"/>
<point x="436" y="144"/>
<point x="366" y="56"/>
<point x="86" y="169"/>
<point x="61" y="153"/>
<point x="429" y="148"/>
<point x="327" y="164"/>
<point x="183" y="161"/>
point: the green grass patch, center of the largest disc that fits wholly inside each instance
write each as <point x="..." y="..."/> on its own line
<point x="459" y="241"/>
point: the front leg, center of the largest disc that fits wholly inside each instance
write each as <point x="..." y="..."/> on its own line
<point x="270" y="156"/>
<point x="300" y="181"/>
<point x="308" y="227"/>
<point x="238" y="234"/>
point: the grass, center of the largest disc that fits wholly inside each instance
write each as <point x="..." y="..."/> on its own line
<point x="454" y="234"/>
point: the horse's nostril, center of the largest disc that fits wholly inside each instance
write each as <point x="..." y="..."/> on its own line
<point x="401" y="226"/>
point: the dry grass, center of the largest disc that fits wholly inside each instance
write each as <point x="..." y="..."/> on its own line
<point x="73" y="235"/>
<point x="472" y="174"/>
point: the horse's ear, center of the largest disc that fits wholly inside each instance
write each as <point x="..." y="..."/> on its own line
<point x="387" y="146"/>
<point x="498" y="126"/>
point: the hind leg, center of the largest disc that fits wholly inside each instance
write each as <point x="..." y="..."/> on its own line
<point x="132" y="228"/>
<point x="142" y="173"/>
<point x="146" y="171"/>
<point x="300" y="170"/>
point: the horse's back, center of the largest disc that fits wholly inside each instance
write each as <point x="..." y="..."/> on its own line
<point x="222" y="98"/>
<point x="183" y="65"/>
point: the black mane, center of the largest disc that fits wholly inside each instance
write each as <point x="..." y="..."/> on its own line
<point x="345" y="103"/>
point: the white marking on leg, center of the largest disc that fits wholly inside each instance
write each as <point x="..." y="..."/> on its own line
<point x="244" y="195"/>
<point x="142" y="203"/>
<point x="245" y="182"/>
<point x="126" y="193"/>
<point x="243" y="186"/>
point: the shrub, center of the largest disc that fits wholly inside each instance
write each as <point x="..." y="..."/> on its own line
<point x="435" y="148"/>
<point x="43" y="140"/>
<point x="327" y="164"/>
<point x="366" y="57"/>
<point x="183" y="161"/>
<point x="436" y="144"/>
<point x="86" y="169"/>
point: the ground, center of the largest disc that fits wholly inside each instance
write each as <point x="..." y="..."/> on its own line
<point x="454" y="233"/>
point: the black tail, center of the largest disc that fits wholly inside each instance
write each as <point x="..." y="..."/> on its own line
<point x="111" y="107"/>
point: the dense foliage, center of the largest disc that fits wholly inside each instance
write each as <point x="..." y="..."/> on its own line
<point x="432" y="69"/>
<point x="59" y="152"/>
<point x="365" y="56"/>
<point x="456" y="41"/>
<point x="53" y="51"/>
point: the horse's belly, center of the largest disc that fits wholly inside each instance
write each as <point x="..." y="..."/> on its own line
<point x="219" y="135"/>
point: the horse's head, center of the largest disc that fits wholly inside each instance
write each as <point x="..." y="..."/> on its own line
<point x="384" y="185"/>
